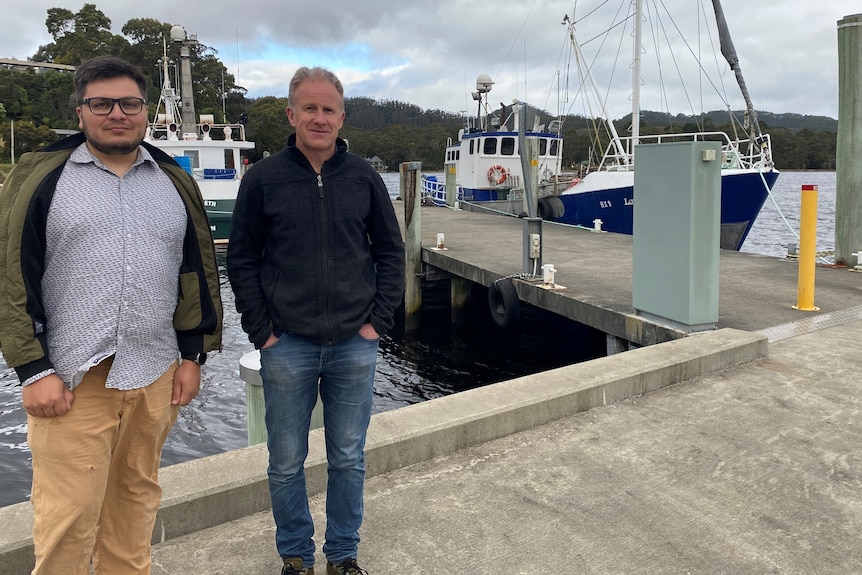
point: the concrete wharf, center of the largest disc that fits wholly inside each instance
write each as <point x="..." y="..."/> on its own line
<point x="731" y="451"/>
<point x="755" y="292"/>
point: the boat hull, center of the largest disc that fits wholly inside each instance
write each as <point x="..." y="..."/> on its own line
<point x="219" y="200"/>
<point x="742" y="196"/>
<point x="220" y="214"/>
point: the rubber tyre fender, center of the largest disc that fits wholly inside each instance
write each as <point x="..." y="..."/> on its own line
<point x="504" y="303"/>
<point x="551" y="208"/>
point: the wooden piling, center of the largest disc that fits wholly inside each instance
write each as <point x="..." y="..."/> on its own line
<point x="411" y="193"/>
<point x="451" y="187"/>
<point x="459" y="296"/>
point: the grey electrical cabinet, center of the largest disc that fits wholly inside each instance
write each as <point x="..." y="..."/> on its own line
<point x="676" y="232"/>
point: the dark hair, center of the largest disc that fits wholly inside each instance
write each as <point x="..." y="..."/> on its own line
<point x="318" y="73"/>
<point x="106" y="68"/>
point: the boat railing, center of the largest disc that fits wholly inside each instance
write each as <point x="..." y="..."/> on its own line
<point x="742" y="153"/>
<point x="203" y="131"/>
<point x="434" y="190"/>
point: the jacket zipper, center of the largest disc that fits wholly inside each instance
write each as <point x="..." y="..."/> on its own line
<point x="325" y="259"/>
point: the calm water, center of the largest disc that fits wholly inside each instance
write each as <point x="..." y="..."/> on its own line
<point x="438" y="360"/>
<point x="771" y="232"/>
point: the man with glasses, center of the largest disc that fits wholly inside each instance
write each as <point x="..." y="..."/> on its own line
<point x="109" y="302"/>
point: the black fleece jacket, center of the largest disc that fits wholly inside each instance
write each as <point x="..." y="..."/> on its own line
<point x="316" y="255"/>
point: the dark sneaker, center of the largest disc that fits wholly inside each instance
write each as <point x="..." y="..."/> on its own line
<point x="293" y="566"/>
<point x="346" y="567"/>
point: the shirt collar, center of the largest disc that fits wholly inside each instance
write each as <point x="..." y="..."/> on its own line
<point x="83" y="155"/>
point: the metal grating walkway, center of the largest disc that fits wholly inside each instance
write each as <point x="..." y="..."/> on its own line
<point x="812" y="324"/>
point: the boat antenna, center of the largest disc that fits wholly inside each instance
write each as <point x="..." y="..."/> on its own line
<point x="729" y="52"/>
<point x="483" y="86"/>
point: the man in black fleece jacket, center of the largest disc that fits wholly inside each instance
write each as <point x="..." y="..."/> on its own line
<point x="316" y="263"/>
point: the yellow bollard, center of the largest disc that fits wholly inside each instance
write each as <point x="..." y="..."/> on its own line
<point x="807" y="249"/>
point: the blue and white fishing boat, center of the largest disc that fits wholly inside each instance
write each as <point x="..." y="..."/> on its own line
<point x="606" y="190"/>
<point x="486" y="162"/>
<point x="606" y="193"/>
<point x="211" y="152"/>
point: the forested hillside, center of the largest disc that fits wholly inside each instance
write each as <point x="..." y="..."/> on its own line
<point x="392" y="130"/>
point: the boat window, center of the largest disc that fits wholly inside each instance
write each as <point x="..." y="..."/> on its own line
<point x="195" y="156"/>
<point x="507" y="146"/>
<point x="490" y="146"/>
<point x="543" y="146"/>
<point x="471" y="147"/>
<point x="555" y="146"/>
<point x="228" y="159"/>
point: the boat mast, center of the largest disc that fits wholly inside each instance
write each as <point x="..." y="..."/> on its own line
<point x="636" y="76"/>
<point x="169" y="98"/>
<point x="729" y="52"/>
<point x="591" y="84"/>
<point x="178" y="34"/>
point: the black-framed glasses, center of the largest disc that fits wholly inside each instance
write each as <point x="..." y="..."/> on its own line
<point x="104" y="106"/>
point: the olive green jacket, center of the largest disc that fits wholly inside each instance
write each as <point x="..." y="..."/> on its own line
<point x="24" y="202"/>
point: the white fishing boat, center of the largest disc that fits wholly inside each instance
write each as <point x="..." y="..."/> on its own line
<point x="211" y="152"/>
<point x="486" y="162"/>
<point x="606" y="191"/>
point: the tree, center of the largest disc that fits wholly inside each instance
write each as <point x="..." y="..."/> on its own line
<point x="268" y="125"/>
<point x="149" y="39"/>
<point x="60" y="22"/>
<point x="79" y="36"/>
<point x="29" y="137"/>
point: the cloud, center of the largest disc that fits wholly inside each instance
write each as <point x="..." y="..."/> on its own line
<point x="429" y="54"/>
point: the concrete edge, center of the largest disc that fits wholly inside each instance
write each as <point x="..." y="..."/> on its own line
<point x="213" y="490"/>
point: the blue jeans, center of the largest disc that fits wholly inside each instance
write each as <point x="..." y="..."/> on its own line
<point x="290" y="370"/>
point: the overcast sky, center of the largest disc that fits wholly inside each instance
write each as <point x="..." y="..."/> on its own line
<point x="430" y="53"/>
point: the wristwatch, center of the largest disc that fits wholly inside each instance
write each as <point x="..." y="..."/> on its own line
<point x="198" y="358"/>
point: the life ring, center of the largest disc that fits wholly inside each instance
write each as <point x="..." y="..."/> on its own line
<point x="504" y="303"/>
<point x="497" y="174"/>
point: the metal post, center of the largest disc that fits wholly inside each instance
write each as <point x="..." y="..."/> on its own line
<point x="186" y="41"/>
<point x="807" y="249"/>
<point x="411" y="194"/>
<point x="529" y="151"/>
<point x="848" y="165"/>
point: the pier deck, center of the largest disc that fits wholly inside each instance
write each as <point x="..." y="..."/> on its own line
<point x="755" y="292"/>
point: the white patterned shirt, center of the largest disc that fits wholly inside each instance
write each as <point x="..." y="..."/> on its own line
<point x="112" y="260"/>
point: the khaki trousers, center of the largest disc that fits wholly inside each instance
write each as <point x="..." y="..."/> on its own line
<point x="95" y="477"/>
